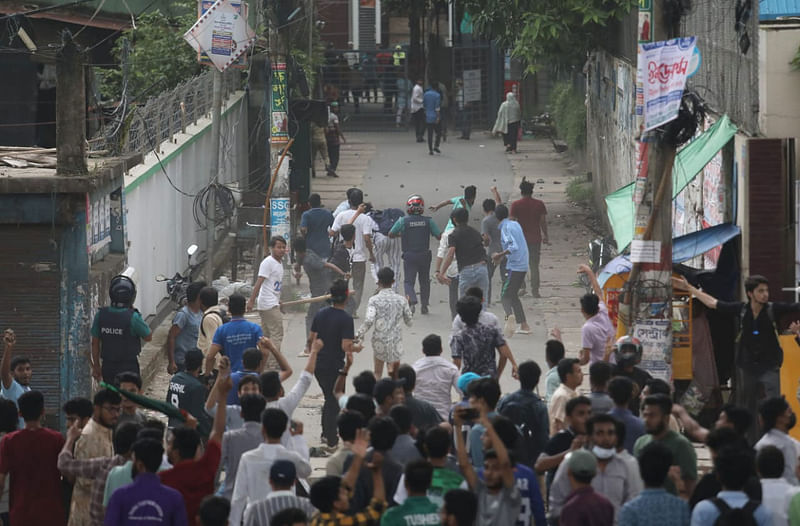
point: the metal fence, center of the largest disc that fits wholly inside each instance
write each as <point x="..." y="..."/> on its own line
<point x="142" y="128"/>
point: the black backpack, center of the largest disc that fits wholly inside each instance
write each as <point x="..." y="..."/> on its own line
<point x="527" y="449"/>
<point x="221" y="314"/>
<point x="735" y="516"/>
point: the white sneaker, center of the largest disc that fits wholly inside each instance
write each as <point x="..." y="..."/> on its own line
<point x="520" y="330"/>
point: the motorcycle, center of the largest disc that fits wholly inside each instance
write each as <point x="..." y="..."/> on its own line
<point x="177" y="284"/>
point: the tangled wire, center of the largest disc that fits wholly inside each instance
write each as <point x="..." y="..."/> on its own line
<point x="225" y="204"/>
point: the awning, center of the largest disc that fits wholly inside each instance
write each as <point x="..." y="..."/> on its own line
<point x="688" y="163"/>
<point x="684" y="248"/>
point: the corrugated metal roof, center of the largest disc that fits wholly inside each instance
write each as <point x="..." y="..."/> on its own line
<point x="775" y="9"/>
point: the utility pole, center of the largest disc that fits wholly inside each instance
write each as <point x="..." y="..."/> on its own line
<point x="70" y="109"/>
<point x="211" y="211"/>
<point x="310" y="15"/>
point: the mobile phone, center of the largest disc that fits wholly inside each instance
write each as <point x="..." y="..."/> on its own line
<point x="470" y="413"/>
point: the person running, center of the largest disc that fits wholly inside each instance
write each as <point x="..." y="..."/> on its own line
<point x="314" y="225"/>
<point x="268" y="292"/>
<point x="232" y="338"/>
<point x="385" y="310"/>
<point x="515" y="252"/>
<point x="531" y="214"/>
<point x="466" y="246"/>
<point x="473" y="349"/>
<point x="415" y="230"/>
<point x="461" y="201"/>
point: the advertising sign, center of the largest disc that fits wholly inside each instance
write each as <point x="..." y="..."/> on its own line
<point x="279" y="129"/>
<point x="662" y="69"/>
<point x="222" y="33"/>
<point x="279" y="217"/>
<point x="656" y="338"/>
<point x="472" y="85"/>
<point x="202" y="8"/>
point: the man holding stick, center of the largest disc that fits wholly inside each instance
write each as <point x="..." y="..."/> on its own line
<point x="268" y="291"/>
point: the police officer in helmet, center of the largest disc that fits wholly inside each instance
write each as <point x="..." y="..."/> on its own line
<point x="117" y="333"/>
<point x="416" y="230"/>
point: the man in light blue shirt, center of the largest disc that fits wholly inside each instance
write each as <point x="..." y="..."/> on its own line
<point x="515" y="248"/>
<point x="432" y="103"/>
<point x="734" y="466"/>
<point x="15" y="375"/>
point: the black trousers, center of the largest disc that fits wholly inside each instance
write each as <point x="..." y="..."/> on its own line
<point x="434" y="129"/>
<point x="511" y="136"/>
<point x="419" y="123"/>
<point x="110" y="370"/>
<point x="417" y="263"/>
<point x="534" y="256"/>
<point x="333" y="155"/>
<point x="510" y="295"/>
<point x="326" y="377"/>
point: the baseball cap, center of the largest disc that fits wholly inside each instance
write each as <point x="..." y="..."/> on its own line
<point x="282" y="472"/>
<point x="464" y="380"/>
<point x="582" y="462"/>
<point x="385" y="387"/>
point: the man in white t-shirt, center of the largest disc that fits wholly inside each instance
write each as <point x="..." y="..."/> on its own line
<point x="362" y="249"/>
<point x="268" y="291"/>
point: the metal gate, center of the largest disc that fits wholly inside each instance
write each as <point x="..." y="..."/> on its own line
<point x="480" y="68"/>
<point x="30" y="294"/>
<point x="370" y="86"/>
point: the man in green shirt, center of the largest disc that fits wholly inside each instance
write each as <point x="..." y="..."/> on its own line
<point x="656" y="411"/>
<point x="187" y="392"/>
<point x="417" y="508"/>
<point x="445" y="477"/>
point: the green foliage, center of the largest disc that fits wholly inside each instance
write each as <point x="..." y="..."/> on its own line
<point x="546" y="32"/>
<point x="568" y="108"/>
<point x="579" y="190"/>
<point x="158" y="57"/>
<point x="796" y="60"/>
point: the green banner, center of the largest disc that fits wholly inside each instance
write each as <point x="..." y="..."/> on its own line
<point x="689" y="162"/>
<point x="279" y="129"/>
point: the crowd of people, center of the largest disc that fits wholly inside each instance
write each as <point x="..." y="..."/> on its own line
<point x="400" y="448"/>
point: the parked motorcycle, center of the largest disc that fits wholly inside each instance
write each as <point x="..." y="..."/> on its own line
<point x="177" y="284"/>
<point x="601" y="252"/>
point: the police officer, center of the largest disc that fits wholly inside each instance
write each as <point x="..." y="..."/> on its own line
<point x="415" y="230"/>
<point x="117" y="333"/>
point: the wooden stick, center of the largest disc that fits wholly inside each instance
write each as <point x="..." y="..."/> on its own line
<point x="303" y="301"/>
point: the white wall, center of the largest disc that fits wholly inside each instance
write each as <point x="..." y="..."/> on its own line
<point x="779" y="84"/>
<point x="160" y="224"/>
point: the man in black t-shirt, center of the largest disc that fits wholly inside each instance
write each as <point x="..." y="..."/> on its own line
<point x="466" y="245"/>
<point x="568" y="439"/>
<point x="759" y="355"/>
<point x="335" y="328"/>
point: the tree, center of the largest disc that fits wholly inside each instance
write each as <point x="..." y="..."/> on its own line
<point x="546" y="31"/>
<point x="154" y="54"/>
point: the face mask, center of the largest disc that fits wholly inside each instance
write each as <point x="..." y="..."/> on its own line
<point x="603" y="453"/>
<point x="792" y="421"/>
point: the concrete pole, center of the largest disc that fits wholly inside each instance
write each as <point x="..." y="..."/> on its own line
<point x="216" y="115"/>
<point x="70" y="109"/>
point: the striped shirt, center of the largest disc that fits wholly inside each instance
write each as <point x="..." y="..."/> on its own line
<point x="260" y="512"/>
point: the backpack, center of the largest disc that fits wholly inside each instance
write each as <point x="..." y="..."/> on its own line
<point x="527" y="449"/>
<point x="735" y="516"/>
<point x="221" y="314"/>
<point x="386" y="219"/>
<point x="743" y="313"/>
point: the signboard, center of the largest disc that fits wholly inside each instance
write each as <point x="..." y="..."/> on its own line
<point x="222" y="33"/>
<point x="472" y="85"/>
<point x="656" y="338"/>
<point x="645" y="21"/>
<point x="279" y="129"/>
<point x="202" y="8"/>
<point x="279" y="217"/>
<point x="662" y="69"/>
<point x="98" y="222"/>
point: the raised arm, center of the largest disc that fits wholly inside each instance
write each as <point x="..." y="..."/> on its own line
<point x="461" y="450"/>
<point x="497" y="199"/>
<point x="444" y="203"/>
<point x="500" y="448"/>
<point x="223" y="385"/>
<point x="586" y="270"/>
<point x="9" y="340"/>
<point x="359" y="449"/>
<point x="706" y="299"/>
<point x="340" y="386"/>
<point x="266" y="347"/>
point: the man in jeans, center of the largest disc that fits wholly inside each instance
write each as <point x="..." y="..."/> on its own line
<point x="432" y="102"/>
<point x="530" y="213"/>
<point x="466" y="245"/>
<point x="513" y="243"/>
<point x="268" y="291"/>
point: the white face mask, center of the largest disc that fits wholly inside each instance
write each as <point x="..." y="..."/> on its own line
<point x="603" y="453"/>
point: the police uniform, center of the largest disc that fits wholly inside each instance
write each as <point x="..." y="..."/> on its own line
<point x="415" y="232"/>
<point x="120" y="331"/>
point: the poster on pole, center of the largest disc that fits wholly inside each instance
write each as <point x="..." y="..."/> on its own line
<point x="222" y="33"/>
<point x="202" y="8"/>
<point x="656" y="338"/>
<point x="279" y="128"/>
<point x="662" y="69"/>
<point x="279" y="217"/>
<point x="472" y="85"/>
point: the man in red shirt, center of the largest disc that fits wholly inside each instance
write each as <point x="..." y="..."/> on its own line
<point x="531" y="214"/>
<point x="194" y="479"/>
<point x="29" y="456"/>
